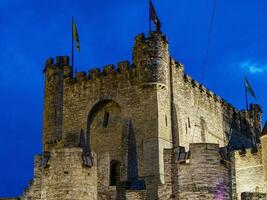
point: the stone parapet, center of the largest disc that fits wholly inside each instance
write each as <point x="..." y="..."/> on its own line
<point x="204" y="176"/>
<point x="67" y="178"/>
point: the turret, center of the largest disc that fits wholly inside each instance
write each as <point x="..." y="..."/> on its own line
<point x="151" y="58"/>
<point x="256" y="120"/>
<point x="53" y="100"/>
<point x="263" y="139"/>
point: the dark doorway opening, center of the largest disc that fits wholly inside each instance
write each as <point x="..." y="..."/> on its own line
<point x="114" y="172"/>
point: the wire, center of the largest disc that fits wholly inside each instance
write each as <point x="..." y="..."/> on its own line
<point x="209" y="41"/>
<point x="206" y="56"/>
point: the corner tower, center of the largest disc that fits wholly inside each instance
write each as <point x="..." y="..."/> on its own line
<point x="151" y="57"/>
<point x="53" y="101"/>
<point x="152" y="62"/>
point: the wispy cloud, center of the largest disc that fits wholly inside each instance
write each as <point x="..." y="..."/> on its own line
<point x="253" y="67"/>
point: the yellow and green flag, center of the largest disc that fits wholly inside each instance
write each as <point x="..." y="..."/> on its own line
<point x="75" y="35"/>
<point x="249" y="88"/>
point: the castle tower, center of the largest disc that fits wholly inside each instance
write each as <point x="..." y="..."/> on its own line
<point x="53" y="101"/>
<point x="263" y="139"/>
<point x="151" y="57"/>
<point x="152" y="61"/>
<point x="256" y="120"/>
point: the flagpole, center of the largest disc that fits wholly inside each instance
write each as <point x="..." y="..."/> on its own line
<point x="72" y="51"/>
<point x="246" y="93"/>
<point x="149" y="6"/>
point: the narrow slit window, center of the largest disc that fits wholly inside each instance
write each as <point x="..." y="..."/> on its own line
<point x="106" y="119"/>
<point x="189" y="123"/>
<point x="166" y="120"/>
<point x="203" y="126"/>
<point x="186" y="128"/>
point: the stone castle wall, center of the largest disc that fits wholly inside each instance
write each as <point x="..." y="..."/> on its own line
<point x="34" y="189"/>
<point x="67" y="178"/>
<point x="136" y="115"/>
<point x="203" y="174"/>
<point x="206" y="175"/>
<point x="203" y="116"/>
<point x="249" y="172"/>
<point x="9" y="198"/>
<point x="63" y="177"/>
<point x="125" y="94"/>
<point x="153" y="94"/>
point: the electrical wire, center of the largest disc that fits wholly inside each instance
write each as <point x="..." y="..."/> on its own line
<point x="205" y="63"/>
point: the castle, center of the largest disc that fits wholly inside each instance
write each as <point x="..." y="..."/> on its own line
<point x="145" y="131"/>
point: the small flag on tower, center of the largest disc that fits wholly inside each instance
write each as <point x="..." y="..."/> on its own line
<point x="75" y="35"/>
<point x="153" y="16"/>
<point x="249" y="88"/>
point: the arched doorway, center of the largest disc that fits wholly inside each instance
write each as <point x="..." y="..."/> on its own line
<point x="114" y="175"/>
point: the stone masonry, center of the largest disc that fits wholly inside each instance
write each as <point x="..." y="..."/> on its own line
<point x="144" y="131"/>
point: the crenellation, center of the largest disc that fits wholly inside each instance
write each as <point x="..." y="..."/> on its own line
<point x="94" y="73"/>
<point x="249" y="171"/>
<point x="179" y="65"/>
<point x="96" y="76"/>
<point x="209" y="93"/>
<point x="123" y="66"/>
<point x="49" y="61"/>
<point x="68" y="72"/>
<point x="140" y="37"/>
<point x="108" y="70"/>
<point x="80" y="76"/>
<point x="195" y="84"/>
<point x="187" y="78"/>
<point x="145" y="130"/>
<point x="217" y="98"/>
<point x="62" y="60"/>
<point x="205" y="95"/>
<point x="202" y="88"/>
<point x="173" y="62"/>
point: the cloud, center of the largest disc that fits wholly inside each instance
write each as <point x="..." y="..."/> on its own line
<point x="253" y="67"/>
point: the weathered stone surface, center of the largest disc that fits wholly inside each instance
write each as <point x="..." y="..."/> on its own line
<point x="253" y="196"/>
<point x="133" y="120"/>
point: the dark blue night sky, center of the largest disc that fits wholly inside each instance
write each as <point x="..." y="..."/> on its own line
<point x="33" y="30"/>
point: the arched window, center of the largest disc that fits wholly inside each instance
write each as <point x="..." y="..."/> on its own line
<point x="114" y="172"/>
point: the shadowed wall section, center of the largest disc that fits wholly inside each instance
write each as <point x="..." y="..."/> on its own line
<point x="104" y="133"/>
<point x="132" y="154"/>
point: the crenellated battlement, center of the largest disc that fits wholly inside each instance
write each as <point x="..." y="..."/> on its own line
<point x="205" y="92"/>
<point x="150" y="71"/>
<point x="248" y="152"/>
<point x="156" y="36"/>
<point x="60" y="61"/>
<point x="93" y="73"/>
<point x="205" y="175"/>
<point x="200" y="151"/>
<point x="124" y="67"/>
<point x="151" y="58"/>
<point x="107" y="72"/>
<point x="123" y="73"/>
<point x="245" y="120"/>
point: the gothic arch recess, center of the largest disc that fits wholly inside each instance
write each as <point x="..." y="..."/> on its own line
<point x="104" y="127"/>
